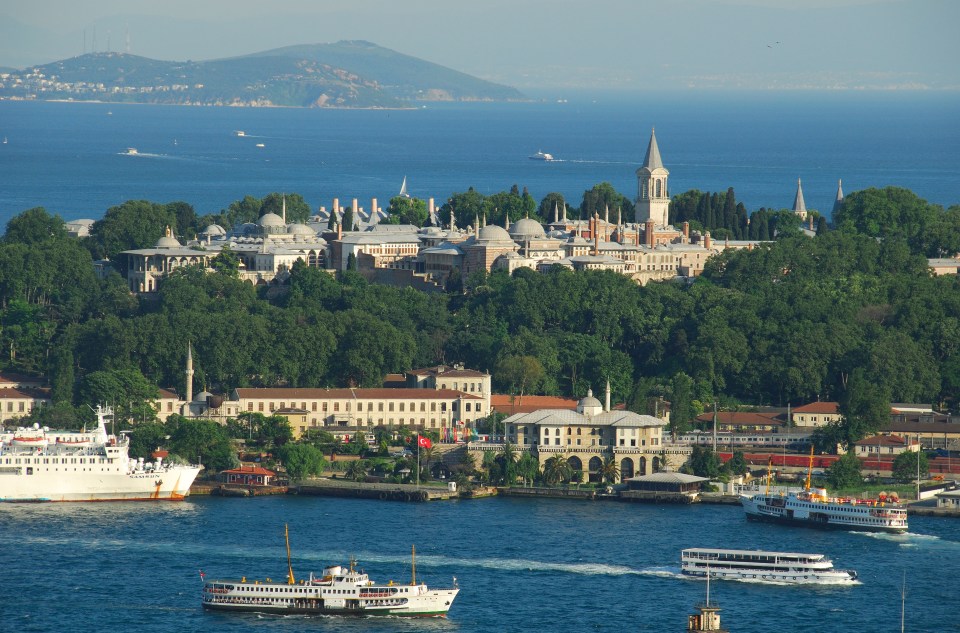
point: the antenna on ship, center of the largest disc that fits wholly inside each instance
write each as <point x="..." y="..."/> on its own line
<point x="809" y="468"/>
<point x="286" y="534"/>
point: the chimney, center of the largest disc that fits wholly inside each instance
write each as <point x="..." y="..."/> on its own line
<point x="686" y="231"/>
<point x="373" y="207"/>
<point x="356" y="210"/>
<point x="431" y="208"/>
<point x="706" y="240"/>
<point x="336" y="206"/>
<point x="810" y="217"/>
<point x="648" y="233"/>
<point x="339" y="230"/>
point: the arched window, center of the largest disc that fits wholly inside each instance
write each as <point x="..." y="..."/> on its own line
<point x="596" y="465"/>
<point x="575" y="463"/>
<point x="642" y="470"/>
<point x="659" y="188"/>
<point x="626" y="468"/>
<point x="657" y="464"/>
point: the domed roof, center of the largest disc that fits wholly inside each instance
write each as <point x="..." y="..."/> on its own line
<point x="202" y="396"/>
<point x="589" y="406"/>
<point x="213" y="230"/>
<point x="300" y="229"/>
<point x="589" y="401"/>
<point x="168" y="240"/>
<point x="526" y="229"/>
<point x="493" y="233"/>
<point x="270" y="219"/>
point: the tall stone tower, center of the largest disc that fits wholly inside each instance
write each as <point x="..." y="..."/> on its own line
<point x="653" y="197"/>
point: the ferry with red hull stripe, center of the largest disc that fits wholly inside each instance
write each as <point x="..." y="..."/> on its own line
<point x="39" y="465"/>
<point x="338" y="590"/>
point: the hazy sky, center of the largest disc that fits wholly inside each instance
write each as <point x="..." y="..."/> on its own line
<point x="535" y="44"/>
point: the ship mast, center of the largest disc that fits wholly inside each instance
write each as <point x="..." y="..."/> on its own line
<point x="809" y="468"/>
<point x="413" y="565"/>
<point x="290" y="578"/>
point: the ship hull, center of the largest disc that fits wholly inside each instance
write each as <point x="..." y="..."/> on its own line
<point x="43" y="486"/>
<point x="821" y="525"/>
<point x="822" y="516"/>
<point x="253" y="608"/>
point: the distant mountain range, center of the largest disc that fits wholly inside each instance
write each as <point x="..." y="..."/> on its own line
<point x="346" y="74"/>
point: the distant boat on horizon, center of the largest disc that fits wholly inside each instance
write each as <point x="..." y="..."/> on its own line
<point x="403" y="189"/>
<point x="240" y="133"/>
<point x="130" y="151"/>
<point x="542" y="156"/>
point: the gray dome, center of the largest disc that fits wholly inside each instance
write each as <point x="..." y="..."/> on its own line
<point x="167" y="241"/>
<point x="271" y="219"/>
<point x="493" y="233"/>
<point x="213" y="230"/>
<point x="202" y="396"/>
<point x="526" y="229"/>
<point x="589" y="401"/>
<point x="300" y="229"/>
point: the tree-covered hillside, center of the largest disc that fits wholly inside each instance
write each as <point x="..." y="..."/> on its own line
<point x="790" y="321"/>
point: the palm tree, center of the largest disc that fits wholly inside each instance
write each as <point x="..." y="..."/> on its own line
<point x="610" y="472"/>
<point x="556" y="469"/>
<point x="357" y="470"/>
<point x="508" y="459"/>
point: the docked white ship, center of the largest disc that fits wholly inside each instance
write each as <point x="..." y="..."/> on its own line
<point x="338" y="591"/>
<point x="37" y="464"/>
<point x="785" y="567"/>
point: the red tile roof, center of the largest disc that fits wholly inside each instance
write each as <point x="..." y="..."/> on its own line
<point x="747" y="418"/>
<point x="818" y="407"/>
<point x="278" y="393"/>
<point x="884" y="440"/>
<point x="505" y="403"/>
<point x="251" y="470"/>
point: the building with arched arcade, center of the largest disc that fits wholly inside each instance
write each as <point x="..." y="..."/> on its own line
<point x="590" y="436"/>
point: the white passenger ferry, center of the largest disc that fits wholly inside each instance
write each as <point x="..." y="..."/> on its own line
<point x="37" y="464"/>
<point x="740" y="564"/>
<point x="338" y="591"/>
<point x="812" y="507"/>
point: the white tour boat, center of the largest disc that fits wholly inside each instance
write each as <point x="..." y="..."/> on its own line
<point x="37" y="464"/>
<point x="541" y="156"/>
<point x="130" y="151"/>
<point x="338" y="591"/>
<point x="741" y="564"/>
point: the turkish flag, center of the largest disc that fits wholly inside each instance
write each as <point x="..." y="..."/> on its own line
<point x="424" y="442"/>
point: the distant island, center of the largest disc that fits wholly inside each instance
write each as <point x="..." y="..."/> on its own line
<point x="346" y="74"/>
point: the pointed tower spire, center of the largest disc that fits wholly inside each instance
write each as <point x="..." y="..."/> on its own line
<point x="506" y="220"/>
<point x="799" y="206"/>
<point x="484" y="219"/>
<point x="476" y="222"/>
<point x="839" y="201"/>
<point x="652" y="159"/>
<point x="556" y="213"/>
<point x="607" y="408"/>
<point x="189" y="372"/>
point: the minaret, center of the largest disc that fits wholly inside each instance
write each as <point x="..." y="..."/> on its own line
<point x="799" y="206"/>
<point x="284" y="208"/>
<point x="839" y="201"/>
<point x="189" y="373"/>
<point x="556" y="213"/>
<point x="607" y="407"/>
<point x="653" y="197"/>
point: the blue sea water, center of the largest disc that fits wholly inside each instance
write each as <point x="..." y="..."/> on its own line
<point x="523" y="565"/>
<point x="68" y="157"/>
